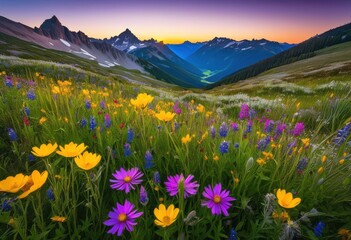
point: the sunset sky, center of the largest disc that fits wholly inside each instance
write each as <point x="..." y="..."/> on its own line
<point x="289" y="21"/>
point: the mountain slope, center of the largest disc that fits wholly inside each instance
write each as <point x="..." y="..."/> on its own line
<point x="53" y="35"/>
<point x="185" y="49"/>
<point x="223" y="56"/>
<point x="301" y="51"/>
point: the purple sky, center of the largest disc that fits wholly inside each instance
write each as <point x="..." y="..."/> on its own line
<point x="194" y="20"/>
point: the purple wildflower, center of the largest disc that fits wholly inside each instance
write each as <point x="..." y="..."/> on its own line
<point x="279" y="129"/>
<point x="244" y="111"/>
<point x="223" y="130"/>
<point x="224" y="147"/>
<point x="176" y="126"/>
<point x="176" y="108"/>
<point x="342" y="135"/>
<point x="248" y="127"/>
<point x="299" y="128"/>
<point x="217" y="200"/>
<point x="268" y="126"/>
<point x="291" y="146"/>
<point x="233" y="235"/>
<point x="5" y="206"/>
<point x="107" y="120"/>
<point x="26" y="111"/>
<point x="122" y="217"/>
<point x="126" y="179"/>
<point x="252" y="113"/>
<point x="175" y="182"/>
<point x="234" y="126"/>
<point x="102" y="104"/>
<point x="143" y="198"/>
<point x="31" y="158"/>
<point x="8" y="82"/>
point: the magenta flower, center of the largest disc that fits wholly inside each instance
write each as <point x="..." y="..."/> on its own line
<point x="217" y="200"/>
<point x="174" y="182"/>
<point x="125" y="180"/>
<point x="299" y="128"/>
<point x="244" y="111"/>
<point x="122" y="217"/>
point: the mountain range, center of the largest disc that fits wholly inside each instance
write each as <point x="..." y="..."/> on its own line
<point x="189" y="65"/>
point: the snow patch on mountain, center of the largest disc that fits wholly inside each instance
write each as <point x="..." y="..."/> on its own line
<point x="230" y="44"/>
<point x="65" y="42"/>
<point x="244" y="49"/>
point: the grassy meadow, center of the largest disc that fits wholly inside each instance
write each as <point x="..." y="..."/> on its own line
<point x="150" y="162"/>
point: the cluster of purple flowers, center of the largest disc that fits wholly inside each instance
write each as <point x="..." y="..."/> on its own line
<point x="124" y="216"/>
<point x="223" y="130"/>
<point x="107" y="120"/>
<point x="263" y="143"/>
<point x="92" y="123"/>
<point x="244" y="111"/>
<point x="268" y="126"/>
<point x="342" y="135"/>
<point x="301" y="165"/>
<point x="224" y="147"/>
<point x="299" y="128"/>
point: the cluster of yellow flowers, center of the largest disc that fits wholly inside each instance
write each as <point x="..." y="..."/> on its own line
<point x="27" y="184"/>
<point x="85" y="161"/>
<point x="266" y="156"/>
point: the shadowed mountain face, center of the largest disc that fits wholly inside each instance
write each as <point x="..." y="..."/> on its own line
<point x="159" y="55"/>
<point x="185" y="49"/>
<point x="222" y="56"/>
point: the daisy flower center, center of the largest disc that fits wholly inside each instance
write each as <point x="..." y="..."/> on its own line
<point x="217" y="199"/>
<point x="122" y="217"/>
<point x="127" y="179"/>
<point x="166" y="220"/>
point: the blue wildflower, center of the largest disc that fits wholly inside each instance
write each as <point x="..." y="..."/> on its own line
<point x="87" y="104"/>
<point x="50" y="194"/>
<point x="342" y="134"/>
<point x="263" y="143"/>
<point x="5" y="206"/>
<point x="233" y="234"/>
<point x="234" y="126"/>
<point x="130" y="135"/>
<point x="148" y="160"/>
<point x="318" y="229"/>
<point x="252" y="113"/>
<point x="156" y="179"/>
<point x="127" y="150"/>
<point x="248" y="127"/>
<point x="26" y="111"/>
<point x="236" y="145"/>
<point x="83" y="122"/>
<point x="31" y="95"/>
<point x="19" y="85"/>
<point x="279" y="129"/>
<point x="301" y="165"/>
<point x="291" y="147"/>
<point x="213" y="132"/>
<point x="176" y="126"/>
<point x="223" y="130"/>
<point x="92" y="123"/>
<point x="31" y="158"/>
<point x="224" y="147"/>
<point x="12" y="134"/>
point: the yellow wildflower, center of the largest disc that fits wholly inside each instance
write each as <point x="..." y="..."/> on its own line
<point x="324" y="158"/>
<point x="306" y="142"/>
<point x="71" y="149"/>
<point x="165" y="217"/>
<point x="342" y="161"/>
<point x="320" y="170"/>
<point x="13" y="184"/>
<point x="200" y="108"/>
<point x="58" y="219"/>
<point x="36" y="180"/>
<point x="186" y="139"/>
<point x="286" y="200"/>
<point x="44" y="150"/>
<point x="215" y="158"/>
<point x="142" y="100"/>
<point x="42" y="120"/>
<point x="165" y="116"/>
<point x="261" y="161"/>
<point x="87" y="160"/>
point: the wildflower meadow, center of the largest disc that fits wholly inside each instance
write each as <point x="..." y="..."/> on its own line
<point x="100" y="159"/>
